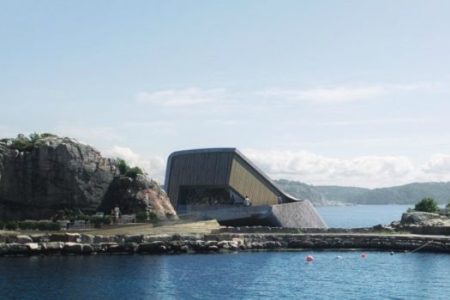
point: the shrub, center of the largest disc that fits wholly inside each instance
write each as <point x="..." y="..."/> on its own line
<point x="134" y="172"/>
<point x="122" y="166"/>
<point x="2" y="225"/>
<point x="44" y="226"/>
<point x="48" y="226"/>
<point x="141" y="216"/>
<point x="126" y="170"/>
<point x="447" y="206"/>
<point x="23" y="143"/>
<point x="46" y="135"/>
<point x="99" y="221"/>
<point x="11" y="226"/>
<point x="427" y="205"/>
<point x="27" y="225"/>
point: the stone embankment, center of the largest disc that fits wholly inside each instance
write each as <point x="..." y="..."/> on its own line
<point x="86" y="244"/>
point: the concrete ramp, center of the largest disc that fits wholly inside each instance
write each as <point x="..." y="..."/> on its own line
<point x="300" y="214"/>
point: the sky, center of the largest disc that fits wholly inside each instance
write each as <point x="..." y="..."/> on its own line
<point x="349" y="93"/>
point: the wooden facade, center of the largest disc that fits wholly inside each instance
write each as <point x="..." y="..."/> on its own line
<point x="220" y="167"/>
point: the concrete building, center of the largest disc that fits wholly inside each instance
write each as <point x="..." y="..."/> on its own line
<point x="222" y="183"/>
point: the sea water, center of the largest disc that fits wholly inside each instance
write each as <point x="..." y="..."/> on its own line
<point x="361" y="215"/>
<point x="245" y="275"/>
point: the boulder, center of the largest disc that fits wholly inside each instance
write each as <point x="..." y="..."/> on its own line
<point x="52" y="247"/>
<point x="87" y="238"/>
<point x="17" y="249"/>
<point x="72" y="248"/>
<point x="139" y="195"/>
<point x="418" y="218"/>
<point x="23" y="239"/>
<point x="33" y="247"/>
<point x="152" y="247"/>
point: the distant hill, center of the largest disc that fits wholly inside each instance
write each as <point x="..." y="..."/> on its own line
<point x="335" y="195"/>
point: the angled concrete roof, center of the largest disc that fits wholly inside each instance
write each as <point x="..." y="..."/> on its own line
<point x="225" y="150"/>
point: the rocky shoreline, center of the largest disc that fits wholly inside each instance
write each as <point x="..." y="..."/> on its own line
<point x="86" y="244"/>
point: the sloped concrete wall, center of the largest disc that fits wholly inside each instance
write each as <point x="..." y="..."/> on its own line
<point x="300" y="214"/>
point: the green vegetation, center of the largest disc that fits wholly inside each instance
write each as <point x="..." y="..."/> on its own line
<point x="98" y="221"/>
<point x="30" y="225"/>
<point x="405" y="194"/>
<point x="126" y="170"/>
<point x="141" y="217"/>
<point x="34" y="225"/>
<point x="427" y="205"/>
<point x="11" y="225"/>
<point x="26" y="143"/>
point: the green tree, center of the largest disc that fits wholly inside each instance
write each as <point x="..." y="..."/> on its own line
<point x="133" y="172"/>
<point x="427" y="205"/>
<point x="126" y="170"/>
<point x="122" y="166"/>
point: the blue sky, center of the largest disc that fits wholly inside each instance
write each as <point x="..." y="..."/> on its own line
<point x="326" y="92"/>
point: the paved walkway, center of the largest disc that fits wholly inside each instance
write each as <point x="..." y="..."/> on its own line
<point x="203" y="227"/>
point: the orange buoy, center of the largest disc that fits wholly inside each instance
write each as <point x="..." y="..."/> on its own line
<point x="310" y="258"/>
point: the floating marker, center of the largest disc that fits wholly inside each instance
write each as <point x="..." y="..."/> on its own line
<point x="310" y="258"/>
<point x="363" y="255"/>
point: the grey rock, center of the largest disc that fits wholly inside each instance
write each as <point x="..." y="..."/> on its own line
<point x="56" y="173"/>
<point x="34" y="247"/>
<point x="139" y="195"/>
<point x="3" y="249"/>
<point x="72" y="248"/>
<point x="152" y="247"/>
<point x="87" y="238"/>
<point x="52" y="247"/>
<point x="87" y="248"/>
<point x="17" y="249"/>
<point x="133" y="238"/>
<point x="23" y="239"/>
<point x="40" y="237"/>
<point x="423" y="219"/>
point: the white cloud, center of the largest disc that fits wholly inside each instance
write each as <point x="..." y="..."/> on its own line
<point x="336" y="94"/>
<point x="182" y="97"/>
<point x="153" y="166"/>
<point x="339" y="94"/>
<point x="364" y="171"/>
<point x="439" y="164"/>
<point x="193" y="96"/>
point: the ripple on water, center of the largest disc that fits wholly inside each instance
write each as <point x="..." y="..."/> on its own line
<point x="280" y="275"/>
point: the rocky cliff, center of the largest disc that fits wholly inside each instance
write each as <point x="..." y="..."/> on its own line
<point x="44" y="174"/>
<point x="138" y="195"/>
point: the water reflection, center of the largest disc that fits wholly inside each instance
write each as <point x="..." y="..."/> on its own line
<point x="228" y="276"/>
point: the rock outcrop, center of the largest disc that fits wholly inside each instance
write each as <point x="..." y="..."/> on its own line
<point x="419" y="218"/>
<point x="137" y="196"/>
<point x="44" y="174"/>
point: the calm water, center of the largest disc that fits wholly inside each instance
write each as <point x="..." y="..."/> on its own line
<point x="361" y="215"/>
<point x="256" y="275"/>
<point x="262" y="275"/>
